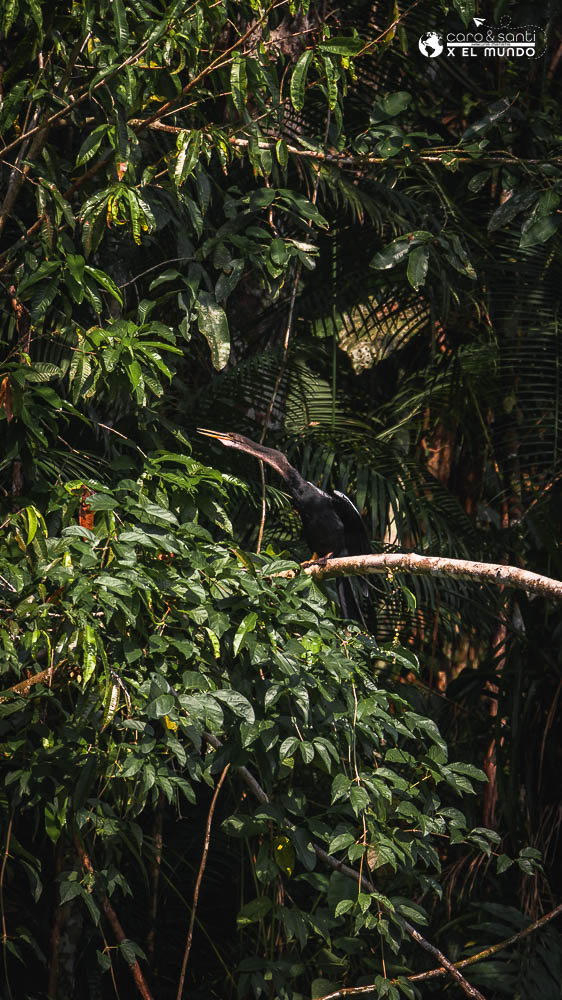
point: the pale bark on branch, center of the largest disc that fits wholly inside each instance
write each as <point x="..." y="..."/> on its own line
<point x="410" y="562"/>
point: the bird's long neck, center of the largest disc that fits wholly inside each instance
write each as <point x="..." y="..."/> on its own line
<point x="278" y="461"/>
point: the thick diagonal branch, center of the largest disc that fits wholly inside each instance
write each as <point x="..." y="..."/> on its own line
<point x="336" y="865"/>
<point x="411" y="562"/>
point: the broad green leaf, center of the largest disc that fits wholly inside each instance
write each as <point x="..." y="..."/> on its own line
<point x="394" y="104"/>
<point x="477" y="182"/>
<point x="399" y="248"/>
<point x="237" y="703"/>
<point x="278" y="252"/>
<point x="213" y="324"/>
<point x="91" y="144"/>
<point x="284" y="854"/>
<point x="331" y="81"/>
<point x="104" y="281"/>
<point x="340" y="842"/>
<point x="89" y="656"/>
<point x="238" y="82"/>
<point x="228" y="280"/>
<point x="288" y="747"/>
<point x="417" y="266"/>
<point x="483" y="125"/>
<point x="303" y="848"/>
<point x="359" y="798"/>
<point x="540" y="231"/>
<point x="69" y="890"/>
<point x="32" y="523"/>
<point x="342" y="45"/>
<point x="248" y="624"/>
<point x="120" y="22"/>
<point x="298" y="79"/>
<point x="189" y="146"/>
<point x="282" y="153"/>
<point x="254" y="911"/>
<point x="390" y="146"/>
<point x="344" y="906"/>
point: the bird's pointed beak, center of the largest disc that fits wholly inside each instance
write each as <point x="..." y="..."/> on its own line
<point x="217" y="435"/>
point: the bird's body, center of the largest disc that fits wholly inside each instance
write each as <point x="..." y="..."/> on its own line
<point x="332" y="525"/>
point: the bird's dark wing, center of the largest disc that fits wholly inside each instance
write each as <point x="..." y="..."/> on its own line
<point x="349" y="601"/>
<point x="356" y="539"/>
<point x="357" y="543"/>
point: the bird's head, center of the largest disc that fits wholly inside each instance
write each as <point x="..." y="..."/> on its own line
<point x="228" y="439"/>
<point x="270" y="456"/>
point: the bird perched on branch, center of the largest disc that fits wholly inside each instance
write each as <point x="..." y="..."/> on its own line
<point x="332" y="525"/>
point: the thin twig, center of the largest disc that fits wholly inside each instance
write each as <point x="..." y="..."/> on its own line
<point x="366" y="883"/>
<point x="432" y="973"/>
<point x="155" y="877"/>
<point x="217" y="63"/>
<point x="338" y="866"/>
<point x="115" y="924"/>
<point x="2" y="873"/>
<point x="198" y="882"/>
<point x="73" y="103"/>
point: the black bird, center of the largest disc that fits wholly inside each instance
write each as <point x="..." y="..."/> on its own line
<point x="332" y="525"/>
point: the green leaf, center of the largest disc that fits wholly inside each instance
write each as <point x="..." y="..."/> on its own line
<point x="331" y="81"/>
<point x="298" y="80"/>
<point x="32" y="523"/>
<point x="540" y="231"/>
<point x="213" y="324"/>
<point x="303" y="847"/>
<point x="417" y="266"/>
<point x="477" y="182"/>
<point x="288" y="747"/>
<point x="237" y="703"/>
<point x="466" y="9"/>
<point x="390" y="146"/>
<point x="238" y="82"/>
<point x="91" y="144"/>
<point x="160" y="706"/>
<point x="189" y="146"/>
<point x="344" y="906"/>
<point x="278" y="252"/>
<point x="254" y="911"/>
<point x="399" y="248"/>
<point x="394" y="104"/>
<point x="340" y="842"/>
<point x="120" y="22"/>
<point x="228" y="280"/>
<point x="483" y="125"/>
<point x="248" y="624"/>
<point x="342" y="45"/>
<point x="282" y="153"/>
<point x="104" y="281"/>
<point x="68" y="891"/>
<point x="359" y="798"/>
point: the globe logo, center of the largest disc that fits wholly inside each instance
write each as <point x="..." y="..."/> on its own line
<point x="431" y="44"/>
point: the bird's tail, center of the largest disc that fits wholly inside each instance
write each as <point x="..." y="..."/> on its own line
<point x="347" y="599"/>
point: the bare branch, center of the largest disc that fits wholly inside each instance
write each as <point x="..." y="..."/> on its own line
<point x="356" y="991"/>
<point x="115" y="924"/>
<point x="545" y="919"/>
<point x="199" y="880"/>
<point x="411" y="562"/>
<point x="338" y="866"/>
